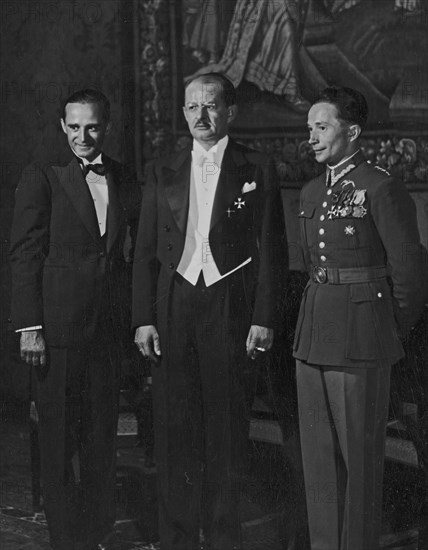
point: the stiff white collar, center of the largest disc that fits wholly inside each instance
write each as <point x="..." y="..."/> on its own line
<point x="215" y="152"/>
<point x="97" y="160"/>
<point x="342" y="161"/>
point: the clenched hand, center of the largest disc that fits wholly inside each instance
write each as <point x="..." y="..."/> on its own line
<point x="260" y="339"/>
<point x="33" y="347"/>
<point x="147" y="341"/>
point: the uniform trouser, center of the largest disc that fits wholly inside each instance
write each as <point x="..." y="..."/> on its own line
<point x="76" y="397"/>
<point x="342" y="416"/>
<point x="202" y="392"/>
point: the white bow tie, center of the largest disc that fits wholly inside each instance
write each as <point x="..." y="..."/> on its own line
<point x="200" y="157"/>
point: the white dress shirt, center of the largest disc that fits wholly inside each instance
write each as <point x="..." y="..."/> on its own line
<point x="204" y="177"/>
<point x="99" y="191"/>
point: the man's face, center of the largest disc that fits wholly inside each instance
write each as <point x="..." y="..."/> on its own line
<point x="86" y="129"/>
<point x="332" y="139"/>
<point x="206" y="112"/>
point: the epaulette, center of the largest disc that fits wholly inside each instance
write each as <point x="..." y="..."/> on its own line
<point x="382" y="170"/>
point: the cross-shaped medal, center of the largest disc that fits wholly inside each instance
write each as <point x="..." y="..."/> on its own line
<point x="239" y="203"/>
<point x="229" y="212"/>
<point x="333" y="213"/>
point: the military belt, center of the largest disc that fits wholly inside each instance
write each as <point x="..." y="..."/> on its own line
<point x="346" y="275"/>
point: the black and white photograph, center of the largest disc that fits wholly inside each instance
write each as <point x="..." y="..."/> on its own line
<point x="214" y="274"/>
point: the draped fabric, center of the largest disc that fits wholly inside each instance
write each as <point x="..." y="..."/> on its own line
<point x="211" y="27"/>
<point x="261" y="47"/>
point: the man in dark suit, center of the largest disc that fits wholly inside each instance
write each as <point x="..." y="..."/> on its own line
<point x="367" y="286"/>
<point x="69" y="302"/>
<point x="206" y="287"/>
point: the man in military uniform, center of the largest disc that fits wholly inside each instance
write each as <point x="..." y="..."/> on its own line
<point x="367" y="288"/>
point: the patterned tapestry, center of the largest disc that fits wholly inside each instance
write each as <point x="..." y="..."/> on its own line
<point x="279" y="55"/>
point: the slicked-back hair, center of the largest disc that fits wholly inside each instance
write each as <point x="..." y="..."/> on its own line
<point x="351" y="104"/>
<point x="228" y="89"/>
<point x="89" y="96"/>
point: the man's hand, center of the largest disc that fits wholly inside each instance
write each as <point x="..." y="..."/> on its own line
<point x="33" y="347"/>
<point x="259" y="340"/>
<point x="147" y="341"/>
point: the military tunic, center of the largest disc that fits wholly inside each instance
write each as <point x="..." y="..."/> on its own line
<point x="367" y="219"/>
<point x="367" y="286"/>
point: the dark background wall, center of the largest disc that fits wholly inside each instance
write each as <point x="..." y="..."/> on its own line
<point x="49" y="49"/>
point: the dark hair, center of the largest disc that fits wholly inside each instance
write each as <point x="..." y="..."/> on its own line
<point x="351" y="104"/>
<point x="89" y="96"/>
<point x="228" y="89"/>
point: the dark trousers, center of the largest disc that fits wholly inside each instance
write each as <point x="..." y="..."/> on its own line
<point x="342" y="415"/>
<point x="202" y="393"/>
<point x="76" y="397"/>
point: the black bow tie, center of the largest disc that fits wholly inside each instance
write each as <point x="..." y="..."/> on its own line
<point x="99" y="169"/>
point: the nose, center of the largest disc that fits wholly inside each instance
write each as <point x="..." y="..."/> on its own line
<point x="83" y="135"/>
<point x="313" y="138"/>
<point x="202" y="111"/>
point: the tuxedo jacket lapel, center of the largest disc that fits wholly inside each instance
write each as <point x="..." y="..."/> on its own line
<point x="230" y="182"/>
<point x="114" y="212"/>
<point x="177" y="184"/>
<point x="74" y="184"/>
<point x="176" y="178"/>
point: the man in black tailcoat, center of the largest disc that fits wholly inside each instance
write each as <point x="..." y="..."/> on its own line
<point x="206" y="288"/>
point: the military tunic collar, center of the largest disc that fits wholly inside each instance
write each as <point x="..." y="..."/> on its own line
<point x="335" y="173"/>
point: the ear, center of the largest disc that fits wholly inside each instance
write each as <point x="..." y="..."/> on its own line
<point x="184" y="112"/>
<point x="354" y="132"/>
<point x="63" y="126"/>
<point x="232" y="111"/>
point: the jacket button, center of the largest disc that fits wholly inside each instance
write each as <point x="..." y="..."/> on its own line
<point x="322" y="217"/>
<point x="322" y="245"/>
<point x="324" y="204"/>
<point x="323" y="258"/>
<point x="166" y="228"/>
<point x="171" y="266"/>
<point x="169" y="246"/>
<point x="321" y="231"/>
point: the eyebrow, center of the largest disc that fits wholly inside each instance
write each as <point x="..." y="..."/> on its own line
<point x="86" y="125"/>
<point x="209" y="102"/>
<point x="319" y="123"/>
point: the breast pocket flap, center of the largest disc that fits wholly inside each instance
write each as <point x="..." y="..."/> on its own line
<point x="307" y="211"/>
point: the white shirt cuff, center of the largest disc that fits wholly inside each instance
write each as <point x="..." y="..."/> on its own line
<point x="26" y="329"/>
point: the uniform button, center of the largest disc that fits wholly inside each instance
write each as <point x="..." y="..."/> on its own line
<point x="166" y="228"/>
<point x="324" y="204"/>
<point x="379" y="294"/>
<point x="102" y="254"/>
<point x="323" y="258"/>
<point x="329" y="192"/>
<point x="321" y="231"/>
<point x="322" y="245"/>
<point x="322" y="217"/>
<point x="169" y="246"/>
<point x="302" y="212"/>
<point x="171" y="266"/>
